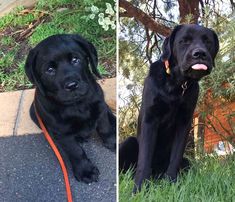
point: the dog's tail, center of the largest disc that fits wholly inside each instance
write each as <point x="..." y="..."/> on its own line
<point x="128" y="154"/>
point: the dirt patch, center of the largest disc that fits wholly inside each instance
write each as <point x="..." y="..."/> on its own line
<point x="110" y="67"/>
<point x="22" y="48"/>
<point x="23" y="51"/>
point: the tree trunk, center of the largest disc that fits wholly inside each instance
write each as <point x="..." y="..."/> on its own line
<point x="189" y="7"/>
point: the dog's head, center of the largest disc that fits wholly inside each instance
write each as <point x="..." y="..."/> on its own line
<point x="191" y="49"/>
<point x="61" y="67"/>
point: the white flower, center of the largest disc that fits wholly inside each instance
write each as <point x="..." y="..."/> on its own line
<point x="113" y="26"/>
<point x="101" y="20"/>
<point x="105" y="27"/>
<point x="94" y="9"/>
<point x="92" y="16"/>
<point x="109" y="9"/>
<point x="107" y="21"/>
<point x="101" y="15"/>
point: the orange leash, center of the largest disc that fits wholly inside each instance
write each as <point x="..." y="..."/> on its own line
<point x="59" y="157"/>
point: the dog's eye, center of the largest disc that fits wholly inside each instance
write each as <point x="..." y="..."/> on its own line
<point x="50" y="71"/>
<point x="75" y="60"/>
<point x="185" y="40"/>
<point x="207" y="41"/>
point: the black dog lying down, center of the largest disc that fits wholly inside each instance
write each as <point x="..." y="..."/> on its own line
<point x="68" y="99"/>
<point x="169" y="99"/>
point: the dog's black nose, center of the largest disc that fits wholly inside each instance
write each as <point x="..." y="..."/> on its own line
<point x="199" y="54"/>
<point x="69" y="86"/>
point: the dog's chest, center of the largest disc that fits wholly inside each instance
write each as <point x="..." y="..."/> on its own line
<point x="169" y="115"/>
<point x="78" y="120"/>
<point x="166" y="112"/>
<point x="83" y="128"/>
<point x="76" y="127"/>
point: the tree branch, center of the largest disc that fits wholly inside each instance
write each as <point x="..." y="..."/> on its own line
<point x="148" y="54"/>
<point x="144" y="18"/>
<point x="232" y="4"/>
<point x="203" y="7"/>
<point x="125" y="14"/>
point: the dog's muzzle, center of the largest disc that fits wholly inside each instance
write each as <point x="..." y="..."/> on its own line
<point x="70" y="86"/>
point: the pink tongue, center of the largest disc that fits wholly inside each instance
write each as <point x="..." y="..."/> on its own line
<point x="199" y="67"/>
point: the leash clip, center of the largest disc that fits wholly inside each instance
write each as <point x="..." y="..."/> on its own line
<point x="184" y="86"/>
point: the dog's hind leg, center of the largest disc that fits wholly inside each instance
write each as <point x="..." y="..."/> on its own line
<point x="185" y="164"/>
<point x="106" y="129"/>
<point x="128" y="154"/>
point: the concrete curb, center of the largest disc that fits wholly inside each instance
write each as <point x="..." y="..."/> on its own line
<point x="7" y="6"/>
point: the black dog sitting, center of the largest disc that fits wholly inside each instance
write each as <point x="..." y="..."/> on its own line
<point x="169" y="99"/>
<point x="68" y="99"/>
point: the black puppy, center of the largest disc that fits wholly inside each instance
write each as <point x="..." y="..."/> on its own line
<point x="169" y="99"/>
<point x="68" y="99"/>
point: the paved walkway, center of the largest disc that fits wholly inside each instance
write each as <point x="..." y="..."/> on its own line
<point x="29" y="171"/>
<point x="8" y="5"/>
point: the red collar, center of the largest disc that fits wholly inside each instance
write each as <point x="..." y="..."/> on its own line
<point x="167" y="66"/>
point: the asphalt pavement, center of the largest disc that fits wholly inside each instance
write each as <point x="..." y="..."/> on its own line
<point x="30" y="172"/>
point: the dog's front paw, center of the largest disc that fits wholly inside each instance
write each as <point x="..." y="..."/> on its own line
<point x="171" y="177"/>
<point x="110" y="143"/>
<point x="141" y="177"/>
<point x="86" y="172"/>
<point x="136" y="189"/>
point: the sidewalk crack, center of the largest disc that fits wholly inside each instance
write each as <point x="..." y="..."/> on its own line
<point x="18" y="114"/>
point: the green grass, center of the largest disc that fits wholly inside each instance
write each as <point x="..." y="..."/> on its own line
<point x="16" y="79"/>
<point x="102" y="70"/>
<point x="17" y="19"/>
<point x="53" y="4"/>
<point x="60" y="16"/>
<point x="7" y="58"/>
<point x="43" y="31"/>
<point x="209" y="180"/>
<point x="7" y="41"/>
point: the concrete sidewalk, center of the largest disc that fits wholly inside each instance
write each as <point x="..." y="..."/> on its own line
<point x="29" y="170"/>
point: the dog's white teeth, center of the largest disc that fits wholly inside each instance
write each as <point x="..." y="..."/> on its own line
<point x="199" y="67"/>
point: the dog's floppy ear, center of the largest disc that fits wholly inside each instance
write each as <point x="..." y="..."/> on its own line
<point x="90" y="49"/>
<point x="30" y="66"/>
<point x="167" y="46"/>
<point x="30" y="62"/>
<point x="166" y="49"/>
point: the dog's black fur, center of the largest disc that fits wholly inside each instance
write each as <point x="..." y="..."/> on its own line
<point x="167" y="110"/>
<point x="69" y="100"/>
